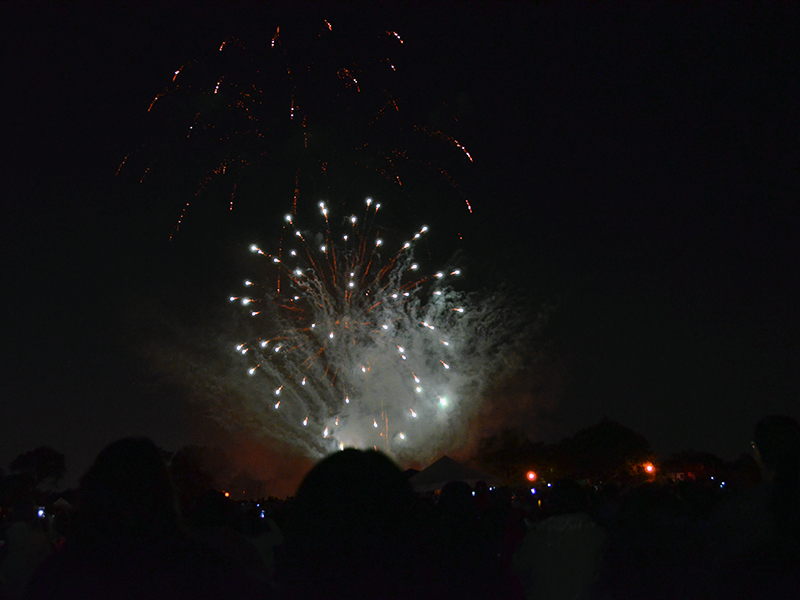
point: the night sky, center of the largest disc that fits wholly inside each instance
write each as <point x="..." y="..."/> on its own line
<point x="636" y="168"/>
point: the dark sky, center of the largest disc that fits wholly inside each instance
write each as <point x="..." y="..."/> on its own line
<point x="635" y="166"/>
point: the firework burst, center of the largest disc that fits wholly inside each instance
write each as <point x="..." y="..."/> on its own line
<point x="311" y="108"/>
<point x="357" y="344"/>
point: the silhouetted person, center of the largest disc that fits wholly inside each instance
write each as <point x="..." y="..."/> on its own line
<point x="651" y="549"/>
<point x="219" y="524"/>
<point x="127" y="540"/>
<point x="349" y="532"/>
<point x="266" y="536"/>
<point x="27" y="548"/>
<point x="560" y="557"/>
<point x="464" y="564"/>
<point x="776" y="442"/>
<point x="756" y="537"/>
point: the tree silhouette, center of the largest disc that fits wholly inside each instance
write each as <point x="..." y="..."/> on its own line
<point x="41" y="465"/>
<point x="603" y="451"/>
<point x="509" y="454"/>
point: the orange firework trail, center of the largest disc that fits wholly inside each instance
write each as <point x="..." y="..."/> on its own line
<point x="311" y="103"/>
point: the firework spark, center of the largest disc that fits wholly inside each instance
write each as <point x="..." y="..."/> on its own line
<point x="356" y="345"/>
<point x="318" y="106"/>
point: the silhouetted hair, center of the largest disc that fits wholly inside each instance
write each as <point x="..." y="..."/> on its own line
<point x="456" y="499"/>
<point x="566" y="496"/>
<point x="126" y="494"/>
<point x="347" y="534"/>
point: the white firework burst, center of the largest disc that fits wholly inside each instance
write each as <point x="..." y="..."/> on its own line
<point x="356" y="344"/>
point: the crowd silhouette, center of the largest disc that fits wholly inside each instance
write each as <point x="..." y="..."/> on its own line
<point x="356" y="529"/>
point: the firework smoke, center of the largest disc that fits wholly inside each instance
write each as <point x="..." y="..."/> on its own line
<point x="357" y="344"/>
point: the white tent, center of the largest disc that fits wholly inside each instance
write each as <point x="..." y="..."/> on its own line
<point x="446" y="470"/>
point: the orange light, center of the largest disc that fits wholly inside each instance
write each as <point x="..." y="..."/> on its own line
<point x="227" y="495"/>
<point x="531" y="475"/>
<point x="649" y="467"/>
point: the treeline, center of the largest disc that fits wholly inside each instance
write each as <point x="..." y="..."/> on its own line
<point x="604" y="452"/>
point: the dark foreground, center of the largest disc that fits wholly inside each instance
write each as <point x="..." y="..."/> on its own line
<point x="356" y="530"/>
